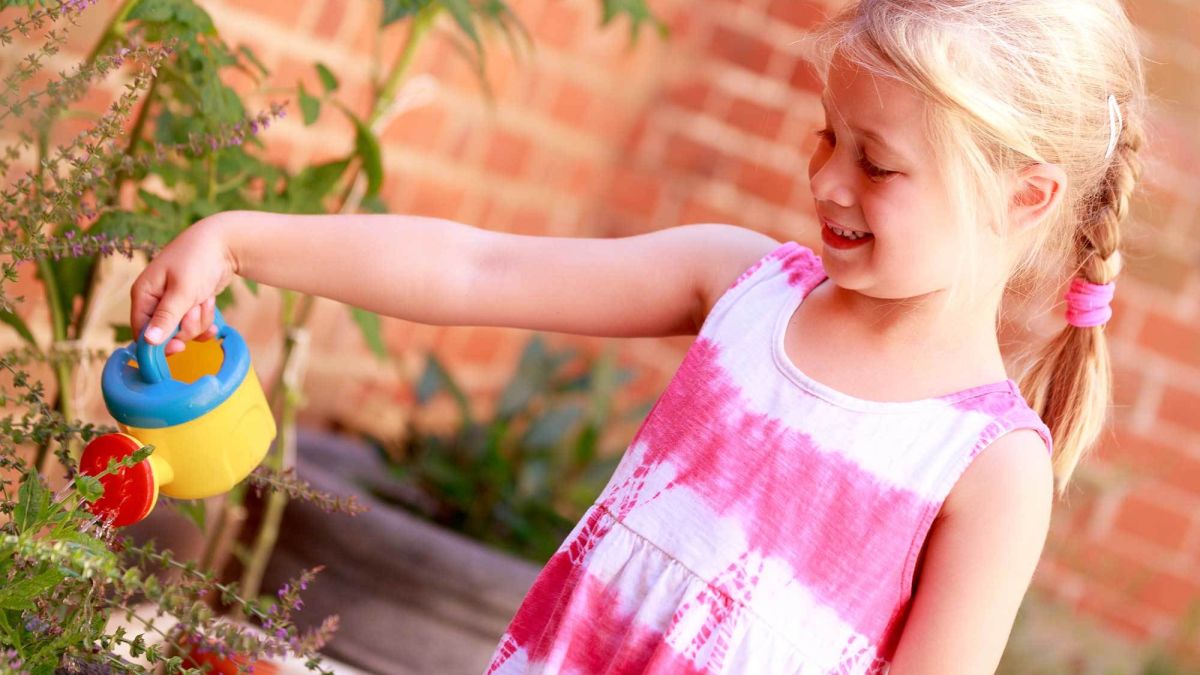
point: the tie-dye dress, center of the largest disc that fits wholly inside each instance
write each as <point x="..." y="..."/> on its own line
<point x="760" y="522"/>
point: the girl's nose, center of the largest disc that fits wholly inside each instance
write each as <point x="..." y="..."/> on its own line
<point x="830" y="179"/>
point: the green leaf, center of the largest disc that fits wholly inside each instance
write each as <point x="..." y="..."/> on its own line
<point x="532" y="377"/>
<point x="328" y="80"/>
<point x="463" y="15"/>
<point x="638" y="13"/>
<point x="179" y="17"/>
<point x="140" y="226"/>
<point x="308" y="189"/>
<point x="436" y="378"/>
<point x="250" y="56"/>
<point x="89" y="487"/>
<point x="192" y="509"/>
<point x="18" y="324"/>
<point x="366" y="144"/>
<point x="373" y="205"/>
<point x="20" y="593"/>
<point x="122" y="332"/>
<point x="368" y="323"/>
<point x="33" y="501"/>
<point x="310" y="106"/>
<point x="548" y="430"/>
<point x="71" y="275"/>
<point x="395" y="10"/>
<point x="153" y="10"/>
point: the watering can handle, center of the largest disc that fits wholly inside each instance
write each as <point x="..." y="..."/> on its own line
<point x="152" y="359"/>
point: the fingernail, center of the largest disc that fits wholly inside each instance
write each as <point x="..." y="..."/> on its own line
<point x="154" y="334"/>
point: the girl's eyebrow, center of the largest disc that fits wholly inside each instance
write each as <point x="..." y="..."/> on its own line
<point x="869" y="134"/>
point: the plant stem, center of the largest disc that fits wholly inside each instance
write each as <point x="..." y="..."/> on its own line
<point x="112" y="30"/>
<point x="58" y="319"/>
<point x="421" y="24"/>
<point x="288" y="386"/>
<point x="287" y="395"/>
<point x="63" y="369"/>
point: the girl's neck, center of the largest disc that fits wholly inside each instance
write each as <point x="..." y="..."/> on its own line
<point x="920" y="329"/>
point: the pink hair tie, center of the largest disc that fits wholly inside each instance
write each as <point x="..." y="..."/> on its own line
<point x="1087" y="303"/>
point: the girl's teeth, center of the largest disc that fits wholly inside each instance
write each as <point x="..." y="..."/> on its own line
<point x="849" y="234"/>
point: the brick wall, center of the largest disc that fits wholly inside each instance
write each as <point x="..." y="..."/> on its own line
<point x="591" y="137"/>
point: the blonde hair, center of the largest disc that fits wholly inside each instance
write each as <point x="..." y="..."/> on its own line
<point x="1015" y="83"/>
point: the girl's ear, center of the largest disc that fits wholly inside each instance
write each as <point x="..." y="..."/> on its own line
<point x="1037" y="189"/>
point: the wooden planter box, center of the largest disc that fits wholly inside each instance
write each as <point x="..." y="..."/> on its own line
<point x="412" y="597"/>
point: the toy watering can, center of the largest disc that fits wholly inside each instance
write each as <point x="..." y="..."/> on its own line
<point x="202" y="409"/>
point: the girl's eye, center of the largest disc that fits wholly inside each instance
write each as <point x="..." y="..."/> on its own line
<point x="873" y="172"/>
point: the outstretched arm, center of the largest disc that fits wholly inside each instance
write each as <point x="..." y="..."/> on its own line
<point x="443" y="272"/>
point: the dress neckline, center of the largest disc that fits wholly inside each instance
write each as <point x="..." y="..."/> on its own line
<point x="841" y="399"/>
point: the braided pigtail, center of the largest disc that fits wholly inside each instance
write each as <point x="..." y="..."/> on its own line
<point x="1070" y="383"/>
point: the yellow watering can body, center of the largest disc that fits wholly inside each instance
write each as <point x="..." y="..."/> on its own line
<point x="203" y="410"/>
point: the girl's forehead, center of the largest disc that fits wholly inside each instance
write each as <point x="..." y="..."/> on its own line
<point x="869" y="96"/>
<point x="876" y="106"/>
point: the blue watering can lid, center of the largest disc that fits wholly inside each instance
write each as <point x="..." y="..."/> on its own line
<point x="147" y="396"/>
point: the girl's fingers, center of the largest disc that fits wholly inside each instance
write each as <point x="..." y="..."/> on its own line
<point x="207" y="313"/>
<point x="189" y="326"/>
<point x="174" y="346"/>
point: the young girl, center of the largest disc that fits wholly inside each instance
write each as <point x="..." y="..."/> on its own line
<point x="841" y="477"/>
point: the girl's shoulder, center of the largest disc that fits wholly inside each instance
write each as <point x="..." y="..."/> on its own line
<point x="741" y="252"/>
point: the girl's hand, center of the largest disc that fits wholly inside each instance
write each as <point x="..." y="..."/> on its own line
<point x="179" y="287"/>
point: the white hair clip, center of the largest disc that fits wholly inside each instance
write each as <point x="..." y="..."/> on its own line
<point x="1115" y="124"/>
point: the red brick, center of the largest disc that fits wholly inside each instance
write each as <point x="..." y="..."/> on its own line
<point x="766" y="183"/>
<point x="635" y="193"/>
<point x="1180" y="406"/>
<point x="756" y="118"/>
<point x="1149" y="262"/>
<point x="419" y="128"/>
<point x="282" y="14"/>
<point x="1141" y="516"/>
<point x="1127" y="391"/>
<point x="529" y="220"/>
<point x="691" y="157"/>
<point x="1147" y="457"/>
<point x="476" y="346"/>
<point x="1171" y="594"/>
<point x="558" y="25"/>
<point x="805" y="77"/>
<point x="613" y="123"/>
<point x="691" y="95"/>
<point x="798" y="13"/>
<point x="582" y="179"/>
<point x="694" y="210"/>
<point x="571" y="105"/>
<point x="1174" y="339"/>
<point x="329" y="20"/>
<point x="462" y="141"/>
<point x="438" y="200"/>
<point x="741" y="50"/>
<point x="507" y="154"/>
<point x="1115" y="614"/>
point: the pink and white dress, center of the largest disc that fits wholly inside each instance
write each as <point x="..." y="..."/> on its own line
<point x="760" y="522"/>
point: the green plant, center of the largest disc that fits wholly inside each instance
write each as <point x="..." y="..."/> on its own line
<point x="177" y="145"/>
<point x="520" y="479"/>
<point x="64" y="574"/>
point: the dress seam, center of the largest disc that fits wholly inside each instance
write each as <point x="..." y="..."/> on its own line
<point x="696" y="575"/>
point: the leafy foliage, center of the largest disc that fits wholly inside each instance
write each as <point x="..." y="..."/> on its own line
<point x="521" y="479"/>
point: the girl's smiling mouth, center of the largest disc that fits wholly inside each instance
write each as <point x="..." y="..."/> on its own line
<point x="831" y="234"/>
